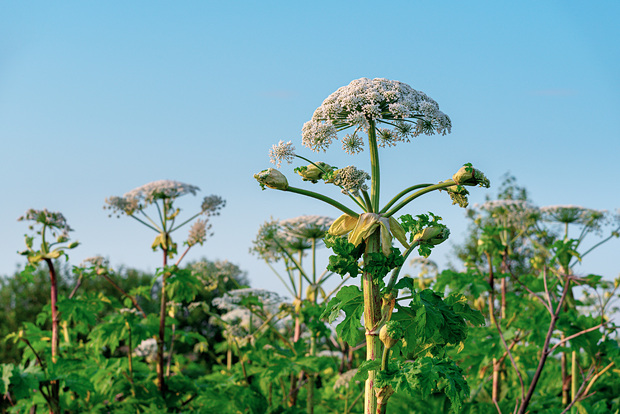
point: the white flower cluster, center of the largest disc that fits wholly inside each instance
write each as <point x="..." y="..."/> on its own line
<point x="142" y="196"/>
<point x="50" y="219"/>
<point x="233" y="299"/>
<point x="212" y="204"/>
<point x="198" y="233"/>
<point x="292" y="234"/>
<point x="282" y="152"/>
<point x="391" y="102"/>
<point x="345" y="379"/>
<point x="593" y="220"/>
<point x="146" y="348"/>
<point x="307" y="227"/>
<point x="351" y="179"/>
<point x="573" y="214"/>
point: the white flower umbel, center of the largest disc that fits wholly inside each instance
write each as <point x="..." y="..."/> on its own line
<point x="282" y="152"/>
<point x="307" y="227"/>
<point x="50" y="219"/>
<point x="571" y="214"/>
<point x="197" y="233"/>
<point x="140" y="197"/>
<point x="391" y="103"/>
<point x="234" y="298"/>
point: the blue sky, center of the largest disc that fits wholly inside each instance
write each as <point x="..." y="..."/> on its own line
<point x="97" y="98"/>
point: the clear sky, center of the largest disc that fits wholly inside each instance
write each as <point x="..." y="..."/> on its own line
<point x="97" y="98"/>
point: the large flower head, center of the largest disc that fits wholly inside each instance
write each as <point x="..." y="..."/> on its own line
<point x="140" y="197"/>
<point x="402" y="111"/>
<point x="295" y="234"/>
<point x="50" y="219"/>
<point x="590" y="218"/>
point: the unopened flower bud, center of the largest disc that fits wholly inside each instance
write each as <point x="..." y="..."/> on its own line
<point x="433" y="235"/>
<point x="390" y="334"/>
<point x="314" y="172"/>
<point x="467" y="175"/>
<point x="272" y="178"/>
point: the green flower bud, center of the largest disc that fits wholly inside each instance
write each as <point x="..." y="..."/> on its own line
<point x="313" y="173"/>
<point x="272" y="178"/>
<point x="433" y="235"/>
<point x="390" y="334"/>
<point x="467" y="175"/>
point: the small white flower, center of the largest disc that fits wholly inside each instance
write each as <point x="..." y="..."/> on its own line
<point x="197" y="233"/>
<point x="146" y="348"/>
<point x="352" y="144"/>
<point x="212" y="204"/>
<point x="282" y="152"/>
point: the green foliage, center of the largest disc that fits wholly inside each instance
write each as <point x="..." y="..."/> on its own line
<point x="425" y="376"/>
<point x="430" y="322"/>
<point x="378" y="265"/>
<point x="350" y="300"/>
<point x="345" y="259"/>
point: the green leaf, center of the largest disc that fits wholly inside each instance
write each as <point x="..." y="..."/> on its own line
<point x="429" y="321"/>
<point x="426" y="376"/>
<point x="350" y="300"/>
<point x="5" y="377"/>
<point x="346" y="255"/>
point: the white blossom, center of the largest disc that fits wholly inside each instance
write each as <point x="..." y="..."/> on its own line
<point x="380" y="100"/>
<point x="50" y="219"/>
<point x="212" y="204"/>
<point x="142" y="196"/>
<point x="307" y="227"/>
<point x="146" y="348"/>
<point x="197" y="233"/>
<point x="282" y="152"/>
<point x="352" y="144"/>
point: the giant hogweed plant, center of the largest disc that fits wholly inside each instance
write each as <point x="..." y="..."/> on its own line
<point x="289" y="242"/>
<point x="405" y="344"/>
<point x="521" y="248"/>
<point x="49" y="242"/>
<point x="162" y="195"/>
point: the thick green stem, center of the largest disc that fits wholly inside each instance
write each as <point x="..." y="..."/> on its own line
<point x="55" y="386"/>
<point x="161" y="384"/>
<point x="442" y="185"/>
<point x="372" y="316"/>
<point x="325" y="199"/>
<point x="401" y="194"/>
<point x="375" y="179"/>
